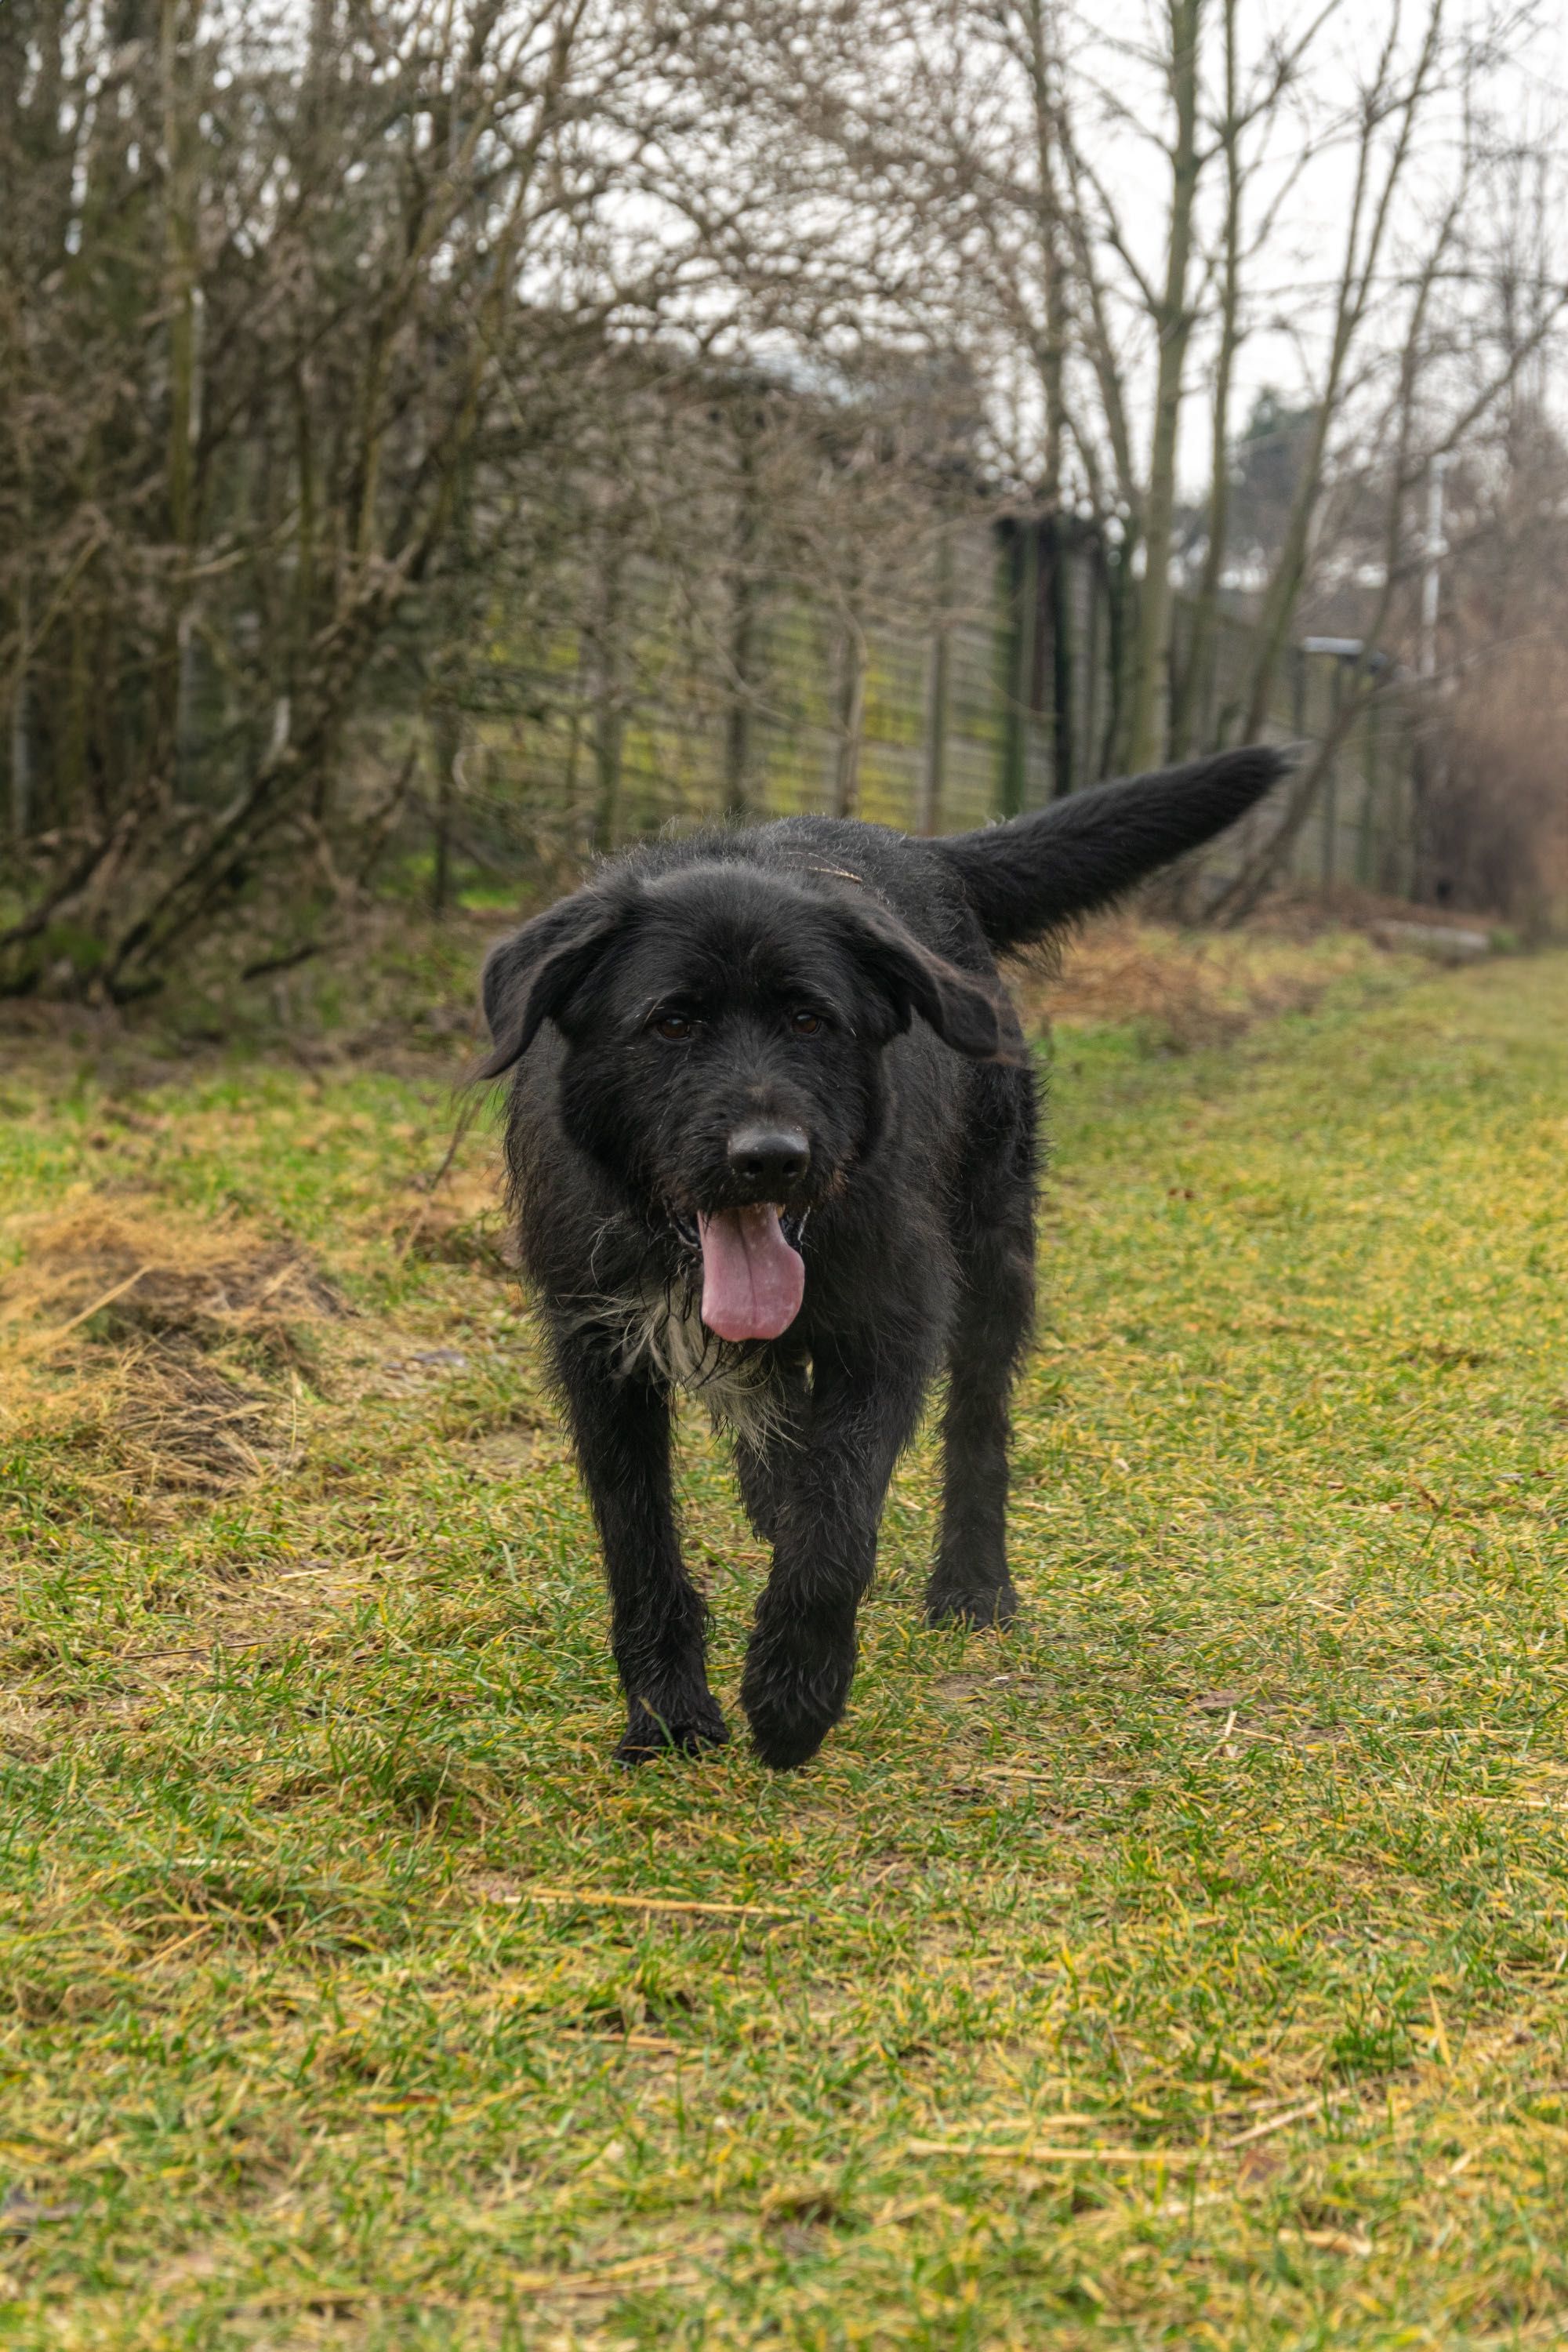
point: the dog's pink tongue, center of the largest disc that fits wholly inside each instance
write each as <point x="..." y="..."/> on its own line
<point x="753" y="1282"/>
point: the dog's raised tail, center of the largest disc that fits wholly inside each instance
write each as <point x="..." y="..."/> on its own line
<point x="1034" y="873"/>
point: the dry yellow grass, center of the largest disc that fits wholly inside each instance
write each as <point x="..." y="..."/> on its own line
<point x="135" y="1338"/>
<point x="1183" y="988"/>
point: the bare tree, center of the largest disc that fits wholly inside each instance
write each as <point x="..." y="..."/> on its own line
<point x="1453" y="341"/>
<point x="537" y="412"/>
<point x="962" y="151"/>
<point x="246" y="431"/>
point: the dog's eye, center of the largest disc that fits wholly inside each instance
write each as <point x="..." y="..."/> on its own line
<point x="675" y="1026"/>
<point x="806" y="1024"/>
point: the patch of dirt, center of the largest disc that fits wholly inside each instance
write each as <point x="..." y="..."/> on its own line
<point x="976" y="1686"/>
<point x="25" y="1731"/>
<point x="508" y="1453"/>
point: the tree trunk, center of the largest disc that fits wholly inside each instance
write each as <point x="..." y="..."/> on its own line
<point x="1358" y="277"/>
<point x="1052" y="349"/>
<point x="445" y="745"/>
<point x="1191" y="712"/>
<point x="21" y="711"/>
<point x="181" y="298"/>
<point x="1146" y="730"/>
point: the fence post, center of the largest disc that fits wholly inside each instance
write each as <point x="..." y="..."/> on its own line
<point x="1331" y="784"/>
<point x="1372" y="730"/>
<point x="1021" y="576"/>
<point x="851" y="717"/>
<point x="608" y="714"/>
<point x="929" y="815"/>
<point x="742" y="632"/>
<point x="1060" y="545"/>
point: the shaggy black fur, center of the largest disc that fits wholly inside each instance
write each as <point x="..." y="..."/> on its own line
<point x="826" y="991"/>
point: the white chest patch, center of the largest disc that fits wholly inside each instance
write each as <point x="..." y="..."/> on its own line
<point x="664" y="1334"/>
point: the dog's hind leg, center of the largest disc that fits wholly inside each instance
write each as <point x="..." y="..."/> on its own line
<point x="997" y="1258"/>
<point x="658" y="1617"/>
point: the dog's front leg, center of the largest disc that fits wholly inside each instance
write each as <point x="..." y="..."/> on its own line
<point x="801" y="1660"/>
<point x="658" y="1617"/>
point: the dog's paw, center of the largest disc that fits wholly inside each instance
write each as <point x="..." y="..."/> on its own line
<point x="949" y="1603"/>
<point x="793" y="1692"/>
<point x="686" y="1729"/>
<point x="787" y="1738"/>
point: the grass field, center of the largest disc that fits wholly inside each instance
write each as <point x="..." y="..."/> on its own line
<point x="1189" y="1967"/>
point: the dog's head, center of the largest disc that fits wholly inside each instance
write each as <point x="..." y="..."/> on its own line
<point x="723" y="1031"/>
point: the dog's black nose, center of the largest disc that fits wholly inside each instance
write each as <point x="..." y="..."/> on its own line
<point x="766" y="1156"/>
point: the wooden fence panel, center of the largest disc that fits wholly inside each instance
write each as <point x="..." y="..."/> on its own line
<point x="996" y="696"/>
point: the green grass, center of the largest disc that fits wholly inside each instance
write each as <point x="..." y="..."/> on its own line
<point x="1238" y="1871"/>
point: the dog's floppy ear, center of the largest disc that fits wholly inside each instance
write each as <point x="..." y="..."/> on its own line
<point x="969" y="1013"/>
<point x="529" y="978"/>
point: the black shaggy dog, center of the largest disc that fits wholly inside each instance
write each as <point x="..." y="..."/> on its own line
<point x="772" y="1139"/>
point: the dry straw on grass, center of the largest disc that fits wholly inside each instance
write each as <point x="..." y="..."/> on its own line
<point x="161" y="1353"/>
<point x="1190" y="988"/>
